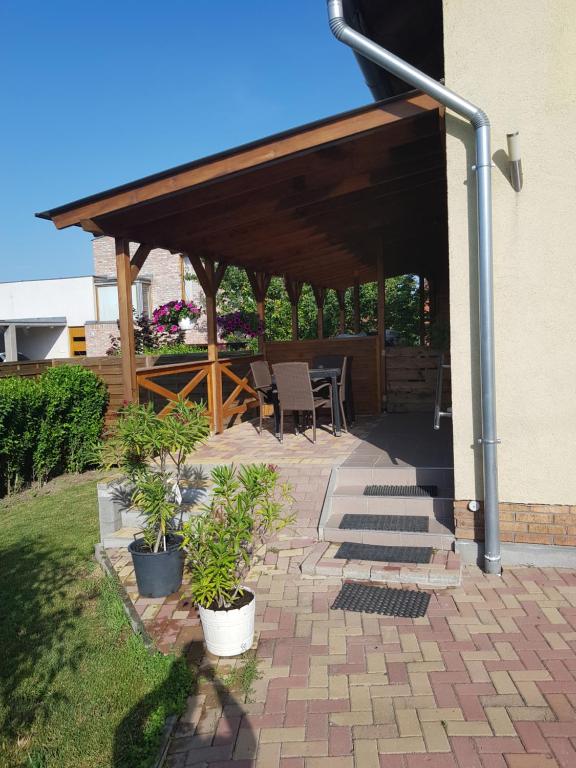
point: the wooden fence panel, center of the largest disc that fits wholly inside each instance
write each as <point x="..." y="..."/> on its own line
<point x="362" y="352"/>
<point x="411" y="379"/>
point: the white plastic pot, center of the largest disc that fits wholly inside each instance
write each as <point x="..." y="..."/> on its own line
<point x="185" y="323"/>
<point x="229" y="633"/>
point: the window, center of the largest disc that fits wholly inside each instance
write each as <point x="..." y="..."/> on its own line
<point x="107" y="299"/>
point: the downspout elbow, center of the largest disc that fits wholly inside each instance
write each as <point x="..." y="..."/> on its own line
<point x="480" y="119"/>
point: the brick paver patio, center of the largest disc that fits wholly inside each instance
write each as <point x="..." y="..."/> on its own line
<point x="486" y="680"/>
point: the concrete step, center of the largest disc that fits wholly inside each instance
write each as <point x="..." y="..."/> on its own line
<point x="439" y="536"/>
<point x="350" y="500"/>
<point x="120" y="538"/>
<point x="442" y="477"/>
<point x="444" y="571"/>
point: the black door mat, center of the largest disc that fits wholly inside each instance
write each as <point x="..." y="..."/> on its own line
<point x="418" y="491"/>
<point x="406" y="523"/>
<point x="349" y="550"/>
<point x="389" y="602"/>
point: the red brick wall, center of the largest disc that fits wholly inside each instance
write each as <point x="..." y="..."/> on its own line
<point x="521" y="523"/>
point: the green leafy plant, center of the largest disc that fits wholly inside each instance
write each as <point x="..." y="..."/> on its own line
<point x="140" y="438"/>
<point x="154" y="498"/>
<point x="75" y="400"/>
<point x="50" y="424"/>
<point x="247" y="506"/>
<point x="152" y="452"/>
<point x="243" y="676"/>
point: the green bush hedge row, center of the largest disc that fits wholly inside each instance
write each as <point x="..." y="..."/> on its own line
<point x="49" y="425"/>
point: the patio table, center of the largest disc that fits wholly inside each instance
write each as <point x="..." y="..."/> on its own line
<point x="316" y="374"/>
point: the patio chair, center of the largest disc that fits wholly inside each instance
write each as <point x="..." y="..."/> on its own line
<point x="263" y="386"/>
<point x="336" y="361"/>
<point x="295" y="393"/>
<point x="328" y="361"/>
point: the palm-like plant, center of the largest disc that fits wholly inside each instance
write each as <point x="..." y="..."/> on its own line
<point x="152" y="451"/>
<point x="246" y="508"/>
<point x="152" y="496"/>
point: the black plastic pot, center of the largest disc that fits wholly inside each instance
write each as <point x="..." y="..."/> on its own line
<point x="158" y="574"/>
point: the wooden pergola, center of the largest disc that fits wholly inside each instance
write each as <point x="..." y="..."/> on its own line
<point x="351" y="199"/>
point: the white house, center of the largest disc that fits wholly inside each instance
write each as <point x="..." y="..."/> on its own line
<point x="76" y="316"/>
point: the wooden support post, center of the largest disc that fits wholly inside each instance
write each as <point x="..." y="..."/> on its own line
<point x="320" y="296"/>
<point x="210" y="276"/>
<point x="382" y="325"/>
<point x="294" y="291"/>
<point x="356" y="305"/>
<point x="341" y="296"/>
<point x="126" y="320"/>
<point x="260" y="282"/>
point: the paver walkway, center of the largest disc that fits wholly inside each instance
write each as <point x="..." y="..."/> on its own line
<point x="486" y="680"/>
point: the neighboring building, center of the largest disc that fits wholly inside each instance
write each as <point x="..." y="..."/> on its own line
<point x="161" y="280"/>
<point x="76" y="316"/>
<point x="45" y="318"/>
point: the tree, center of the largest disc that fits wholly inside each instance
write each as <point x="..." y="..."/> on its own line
<point x="402" y="307"/>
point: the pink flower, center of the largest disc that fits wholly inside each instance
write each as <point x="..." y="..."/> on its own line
<point x="160" y="328"/>
<point x="173" y="328"/>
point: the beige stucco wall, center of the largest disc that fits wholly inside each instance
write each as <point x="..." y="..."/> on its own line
<point x="517" y="60"/>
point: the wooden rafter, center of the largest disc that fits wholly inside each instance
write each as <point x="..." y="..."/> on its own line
<point x="260" y="282"/>
<point x="137" y="261"/>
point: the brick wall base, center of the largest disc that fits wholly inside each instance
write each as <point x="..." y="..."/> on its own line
<point x="521" y="523"/>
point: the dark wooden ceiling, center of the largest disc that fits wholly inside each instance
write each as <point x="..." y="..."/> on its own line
<point x="319" y="204"/>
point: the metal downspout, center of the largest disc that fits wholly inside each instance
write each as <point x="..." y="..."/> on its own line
<point x="483" y="169"/>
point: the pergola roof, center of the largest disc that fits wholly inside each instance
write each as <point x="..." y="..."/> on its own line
<point x="318" y="204"/>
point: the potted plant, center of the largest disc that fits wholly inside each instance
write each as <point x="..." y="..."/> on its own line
<point x="247" y="506"/>
<point x="153" y="451"/>
<point x="156" y="554"/>
<point x="176" y="314"/>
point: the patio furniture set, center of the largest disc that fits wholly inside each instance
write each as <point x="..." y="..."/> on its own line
<point x="303" y="390"/>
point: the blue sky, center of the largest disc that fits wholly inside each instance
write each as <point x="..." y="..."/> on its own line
<point x="97" y="94"/>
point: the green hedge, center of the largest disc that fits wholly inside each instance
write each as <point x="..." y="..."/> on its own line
<point x="49" y="425"/>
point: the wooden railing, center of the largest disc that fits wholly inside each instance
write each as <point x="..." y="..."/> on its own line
<point x="222" y="384"/>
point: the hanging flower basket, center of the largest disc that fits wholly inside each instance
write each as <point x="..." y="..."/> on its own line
<point x="240" y="325"/>
<point x="176" y="314"/>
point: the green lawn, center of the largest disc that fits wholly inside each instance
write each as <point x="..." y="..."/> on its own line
<point x="77" y="688"/>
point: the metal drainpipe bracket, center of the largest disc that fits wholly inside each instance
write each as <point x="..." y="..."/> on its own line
<point x="475" y="167"/>
<point x="482" y="441"/>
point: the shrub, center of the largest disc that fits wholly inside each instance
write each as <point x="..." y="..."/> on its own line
<point x="75" y="403"/>
<point x="21" y="407"/>
<point x="49" y="425"/>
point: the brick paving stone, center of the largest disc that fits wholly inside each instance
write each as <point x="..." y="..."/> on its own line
<point x="531" y="761"/>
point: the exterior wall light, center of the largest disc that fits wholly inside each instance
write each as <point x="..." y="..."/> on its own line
<point x="473" y="506"/>
<point x="515" y="161"/>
